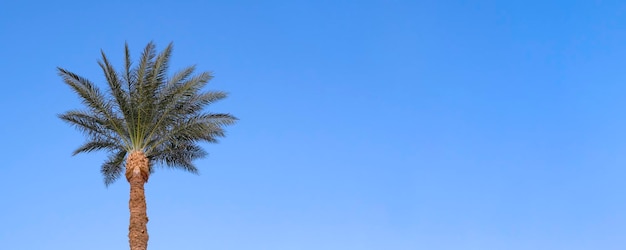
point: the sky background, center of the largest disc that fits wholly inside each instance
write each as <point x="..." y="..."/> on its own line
<point x="402" y="125"/>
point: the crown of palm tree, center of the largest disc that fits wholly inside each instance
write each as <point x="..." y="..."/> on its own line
<point x="145" y="110"/>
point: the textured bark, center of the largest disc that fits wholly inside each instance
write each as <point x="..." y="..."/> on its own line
<point x="137" y="172"/>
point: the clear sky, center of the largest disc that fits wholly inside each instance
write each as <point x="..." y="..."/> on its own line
<point x="401" y="125"/>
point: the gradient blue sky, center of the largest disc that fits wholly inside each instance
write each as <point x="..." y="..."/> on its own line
<point x="402" y="125"/>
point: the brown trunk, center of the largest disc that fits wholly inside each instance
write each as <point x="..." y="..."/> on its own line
<point x="137" y="171"/>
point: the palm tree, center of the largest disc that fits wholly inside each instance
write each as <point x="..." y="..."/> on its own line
<point x="143" y="120"/>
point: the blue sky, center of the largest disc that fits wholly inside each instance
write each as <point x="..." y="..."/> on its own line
<point x="397" y="125"/>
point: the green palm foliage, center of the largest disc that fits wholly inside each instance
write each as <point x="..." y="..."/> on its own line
<point x="145" y="110"/>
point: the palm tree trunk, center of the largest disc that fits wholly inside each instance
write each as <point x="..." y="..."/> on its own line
<point x="137" y="171"/>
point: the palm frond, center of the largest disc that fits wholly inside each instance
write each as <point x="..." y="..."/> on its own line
<point x="168" y="102"/>
<point x="180" y="156"/>
<point x="113" y="167"/>
<point x="93" y="125"/>
<point x="115" y="88"/>
<point x="128" y="70"/>
<point x="92" y="98"/>
<point x="89" y="93"/>
<point x="178" y="78"/>
<point x="198" y="128"/>
<point x="196" y="103"/>
<point x="96" y="144"/>
<point x="158" y="74"/>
